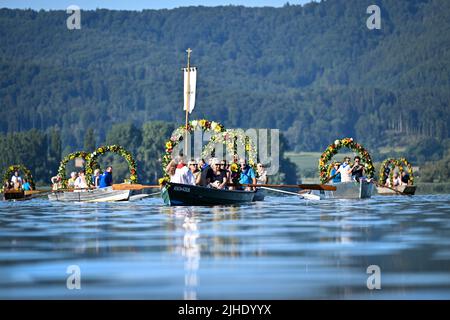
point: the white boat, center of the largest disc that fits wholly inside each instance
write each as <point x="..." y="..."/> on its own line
<point x="409" y="190"/>
<point x="348" y="190"/>
<point x="95" y="195"/>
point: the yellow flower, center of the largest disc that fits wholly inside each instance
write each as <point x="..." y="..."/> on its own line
<point x="251" y="162"/>
<point x="217" y="128"/>
<point x="169" y="145"/>
<point x="234" y="167"/>
<point x="202" y="122"/>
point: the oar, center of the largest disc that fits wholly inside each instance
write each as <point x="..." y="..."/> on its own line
<point x="393" y="189"/>
<point x="281" y="191"/>
<point x="291" y="186"/>
<point x="332" y="177"/>
<point x="133" y="186"/>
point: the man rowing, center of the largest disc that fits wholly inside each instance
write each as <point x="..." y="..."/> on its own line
<point x="106" y="178"/>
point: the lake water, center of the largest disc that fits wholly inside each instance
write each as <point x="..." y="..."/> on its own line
<point x="283" y="248"/>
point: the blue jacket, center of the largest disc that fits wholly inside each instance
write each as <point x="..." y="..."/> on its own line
<point x="247" y="175"/>
<point x="105" y="180"/>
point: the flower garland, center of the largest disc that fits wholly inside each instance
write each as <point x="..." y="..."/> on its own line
<point x="231" y="138"/>
<point x="393" y="163"/>
<point x="334" y="148"/>
<point x="18" y="167"/>
<point x="178" y="136"/>
<point x="91" y="161"/>
<point x="63" y="164"/>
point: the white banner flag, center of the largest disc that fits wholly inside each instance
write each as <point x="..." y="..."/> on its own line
<point x="191" y="90"/>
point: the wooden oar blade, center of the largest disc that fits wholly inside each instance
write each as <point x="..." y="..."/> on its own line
<point x="317" y="187"/>
<point x="134" y="186"/>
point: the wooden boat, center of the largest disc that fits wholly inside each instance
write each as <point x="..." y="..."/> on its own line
<point x="95" y="195"/>
<point x="14" y="195"/>
<point x="175" y="194"/>
<point x="410" y="190"/>
<point x="348" y="190"/>
<point x="20" y="194"/>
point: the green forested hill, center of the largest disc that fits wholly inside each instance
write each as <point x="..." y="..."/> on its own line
<point x="314" y="71"/>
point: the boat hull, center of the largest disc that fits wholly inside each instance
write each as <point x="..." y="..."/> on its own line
<point x="349" y="190"/>
<point x="13" y="195"/>
<point x="96" y="195"/>
<point x="260" y="194"/>
<point x="176" y="194"/>
<point x="410" y="190"/>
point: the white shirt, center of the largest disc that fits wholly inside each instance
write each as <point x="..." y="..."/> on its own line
<point x="80" y="183"/>
<point x="15" y="179"/>
<point x="183" y="175"/>
<point x="346" y="176"/>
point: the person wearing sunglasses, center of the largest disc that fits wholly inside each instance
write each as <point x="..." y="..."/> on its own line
<point x="247" y="174"/>
<point x="193" y="166"/>
<point x="357" y="169"/>
<point x="219" y="178"/>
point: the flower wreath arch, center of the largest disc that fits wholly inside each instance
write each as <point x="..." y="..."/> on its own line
<point x="178" y="136"/>
<point x="65" y="160"/>
<point x="230" y="138"/>
<point x="393" y="163"/>
<point x="91" y="161"/>
<point x="18" y="167"/>
<point x="334" y="148"/>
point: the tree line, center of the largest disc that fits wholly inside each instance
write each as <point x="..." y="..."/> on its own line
<point x="313" y="71"/>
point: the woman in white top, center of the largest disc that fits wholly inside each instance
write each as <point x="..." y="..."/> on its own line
<point x="262" y="174"/>
<point x="80" y="182"/>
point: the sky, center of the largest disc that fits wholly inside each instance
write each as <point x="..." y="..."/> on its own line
<point x="137" y="4"/>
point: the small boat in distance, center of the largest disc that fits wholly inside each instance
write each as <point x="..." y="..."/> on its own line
<point x="176" y="194"/>
<point x="348" y="190"/>
<point x="94" y="195"/>
<point x="20" y="194"/>
<point x="405" y="189"/>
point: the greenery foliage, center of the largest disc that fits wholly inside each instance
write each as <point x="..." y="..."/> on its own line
<point x="314" y="71"/>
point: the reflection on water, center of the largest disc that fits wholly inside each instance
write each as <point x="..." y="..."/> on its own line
<point x="281" y="248"/>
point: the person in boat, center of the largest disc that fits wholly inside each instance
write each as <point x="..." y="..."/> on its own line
<point x="182" y="174"/>
<point x="206" y="173"/>
<point x="225" y="168"/>
<point x="405" y="178"/>
<point x="170" y="168"/>
<point x="247" y="174"/>
<point x="261" y="174"/>
<point x="80" y="182"/>
<point x="56" y="182"/>
<point x="193" y="166"/>
<point x="397" y="181"/>
<point x="358" y="169"/>
<point x="7" y="185"/>
<point x="106" y="178"/>
<point x="334" y="174"/>
<point x="218" y="179"/>
<point x="386" y="171"/>
<point x="71" y="181"/>
<point x="26" y="185"/>
<point x="16" y="180"/>
<point x="345" y="170"/>
<point x="96" y="178"/>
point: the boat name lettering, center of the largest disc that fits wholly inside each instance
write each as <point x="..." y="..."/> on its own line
<point x="182" y="189"/>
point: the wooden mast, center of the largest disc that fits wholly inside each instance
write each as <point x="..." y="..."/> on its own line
<point x="188" y="95"/>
